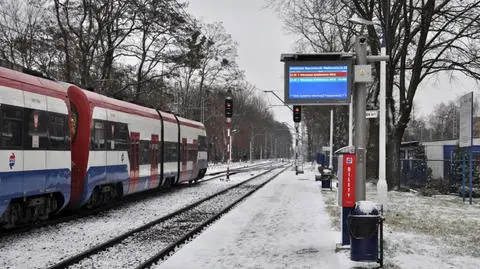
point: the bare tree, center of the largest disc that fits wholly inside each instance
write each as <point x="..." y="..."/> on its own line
<point x="116" y="20"/>
<point x="424" y="38"/>
<point x="22" y="39"/>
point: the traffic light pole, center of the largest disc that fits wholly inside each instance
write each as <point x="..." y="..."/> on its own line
<point x="229" y="146"/>
<point x="296" y="147"/>
<point x="228" y="116"/>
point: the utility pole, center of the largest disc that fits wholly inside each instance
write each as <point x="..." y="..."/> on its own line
<point x="330" y="157"/>
<point x="360" y="138"/>
<point x="252" y="137"/>
<point x="350" y="122"/>
<point x="382" y="153"/>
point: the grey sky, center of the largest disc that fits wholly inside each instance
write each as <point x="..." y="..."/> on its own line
<point x="262" y="39"/>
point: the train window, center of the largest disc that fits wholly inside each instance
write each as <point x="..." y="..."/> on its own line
<point x="192" y="152"/>
<point x="57" y="131"/>
<point x="111" y="129"/>
<point x="171" y="154"/>
<point x="144" y="152"/>
<point x="36" y="126"/>
<point x="202" y="143"/>
<point x="122" y="139"/>
<point x="11" y="127"/>
<point x="98" y="135"/>
<point x="161" y="154"/>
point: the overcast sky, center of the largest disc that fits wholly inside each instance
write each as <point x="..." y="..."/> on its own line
<point x="262" y="39"/>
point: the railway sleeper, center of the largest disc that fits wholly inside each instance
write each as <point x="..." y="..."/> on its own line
<point x="30" y="209"/>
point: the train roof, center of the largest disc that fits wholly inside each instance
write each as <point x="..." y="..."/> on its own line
<point x="42" y="85"/>
<point x="130" y="108"/>
<point x="59" y="89"/>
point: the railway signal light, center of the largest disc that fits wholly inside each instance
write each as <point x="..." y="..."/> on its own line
<point x="297" y="113"/>
<point x="228" y="107"/>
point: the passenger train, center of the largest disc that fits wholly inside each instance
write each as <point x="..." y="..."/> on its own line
<point x="63" y="147"/>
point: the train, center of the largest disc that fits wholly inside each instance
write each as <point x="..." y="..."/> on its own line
<point x="67" y="148"/>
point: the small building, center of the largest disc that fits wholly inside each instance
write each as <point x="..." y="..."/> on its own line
<point x="440" y="155"/>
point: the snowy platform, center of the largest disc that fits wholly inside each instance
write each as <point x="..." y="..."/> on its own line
<point x="283" y="225"/>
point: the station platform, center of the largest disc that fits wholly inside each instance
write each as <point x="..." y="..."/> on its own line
<point x="282" y="225"/>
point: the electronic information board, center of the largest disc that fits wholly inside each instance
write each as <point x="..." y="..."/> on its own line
<point x="317" y="82"/>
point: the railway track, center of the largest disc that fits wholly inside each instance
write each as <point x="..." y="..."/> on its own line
<point x="69" y="216"/>
<point x="139" y="248"/>
<point x="233" y="170"/>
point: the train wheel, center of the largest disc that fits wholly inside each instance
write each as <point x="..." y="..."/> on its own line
<point x="12" y="215"/>
<point x="94" y="199"/>
<point x="168" y="183"/>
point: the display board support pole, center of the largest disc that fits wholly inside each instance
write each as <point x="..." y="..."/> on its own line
<point x="330" y="159"/>
<point x="360" y="107"/>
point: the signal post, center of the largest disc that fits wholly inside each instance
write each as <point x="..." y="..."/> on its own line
<point x="297" y="118"/>
<point x="228" y="116"/>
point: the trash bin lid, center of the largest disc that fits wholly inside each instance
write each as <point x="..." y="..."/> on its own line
<point x="365" y="208"/>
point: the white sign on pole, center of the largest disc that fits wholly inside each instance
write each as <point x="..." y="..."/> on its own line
<point x="324" y="148"/>
<point x="372" y="114"/>
<point x="466" y="105"/>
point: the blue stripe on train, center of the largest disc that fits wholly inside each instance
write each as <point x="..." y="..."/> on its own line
<point x="100" y="175"/>
<point x="21" y="184"/>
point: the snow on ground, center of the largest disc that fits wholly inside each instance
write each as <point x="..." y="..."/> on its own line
<point x="40" y="247"/>
<point x="283" y="225"/>
<point x="218" y="167"/>
<point x="424" y="232"/>
<point x="286" y="225"/>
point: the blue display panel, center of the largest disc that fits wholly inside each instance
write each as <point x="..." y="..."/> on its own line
<point x="317" y="82"/>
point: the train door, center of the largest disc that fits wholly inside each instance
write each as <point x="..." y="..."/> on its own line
<point x="134" y="156"/>
<point x="154" y="177"/>
<point x="194" y="159"/>
<point x="113" y="154"/>
<point x="58" y="156"/>
<point x="35" y="143"/>
<point x="184" y="157"/>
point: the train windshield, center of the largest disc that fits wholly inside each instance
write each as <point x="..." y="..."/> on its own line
<point x="202" y="143"/>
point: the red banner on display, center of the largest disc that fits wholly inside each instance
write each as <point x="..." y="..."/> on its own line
<point x="348" y="183"/>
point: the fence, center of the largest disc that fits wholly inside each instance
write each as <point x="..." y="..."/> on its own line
<point x="417" y="173"/>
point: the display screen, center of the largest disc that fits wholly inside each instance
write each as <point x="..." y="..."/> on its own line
<point x="318" y="82"/>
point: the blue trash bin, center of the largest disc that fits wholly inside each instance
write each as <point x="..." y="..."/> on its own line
<point x="326" y="178"/>
<point x="363" y="223"/>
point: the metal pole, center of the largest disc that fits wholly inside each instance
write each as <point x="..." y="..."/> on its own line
<point x="382" y="155"/>
<point x="330" y="158"/>
<point x="250" y="150"/>
<point x="350" y="122"/>
<point x="464" y="171"/>
<point x="471" y="173"/>
<point x="470" y="148"/>
<point x="261" y="152"/>
<point x="251" y="141"/>
<point x="296" y="145"/>
<point x="360" y="122"/>
<point x="229" y="146"/>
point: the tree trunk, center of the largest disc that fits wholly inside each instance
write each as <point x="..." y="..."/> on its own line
<point x="372" y="149"/>
<point x="393" y="158"/>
